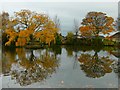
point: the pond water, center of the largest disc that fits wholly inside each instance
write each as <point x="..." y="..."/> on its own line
<point x="60" y="67"/>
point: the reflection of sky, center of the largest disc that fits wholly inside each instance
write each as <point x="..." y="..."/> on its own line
<point x="66" y="12"/>
<point x="69" y="71"/>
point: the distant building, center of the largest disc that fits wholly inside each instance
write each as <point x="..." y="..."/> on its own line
<point x="115" y="37"/>
<point x="91" y="37"/>
<point x="116" y="53"/>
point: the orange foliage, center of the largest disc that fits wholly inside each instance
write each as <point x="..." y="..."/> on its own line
<point x="26" y="24"/>
<point x="95" y="23"/>
<point x="12" y="35"/>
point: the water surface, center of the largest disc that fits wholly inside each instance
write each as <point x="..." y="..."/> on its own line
<point x="60" y="67"/>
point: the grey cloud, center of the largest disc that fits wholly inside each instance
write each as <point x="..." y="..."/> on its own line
<point x="66" y="11"/>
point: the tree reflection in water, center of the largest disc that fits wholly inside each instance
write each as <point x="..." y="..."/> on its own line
<point x="115" y="51"/>
<point x="28" y="70"/>
<point x="116" y="68"/>
<point x="30" y="66"/>
<point x="95" y="66"/>
<point x="8" y="59"/>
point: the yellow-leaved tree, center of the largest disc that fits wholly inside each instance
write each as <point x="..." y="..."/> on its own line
<point x="27" y="26"/>
<point x="95" y="23"/>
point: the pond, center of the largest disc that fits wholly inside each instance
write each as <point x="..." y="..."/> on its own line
<point x="60" y="67"/>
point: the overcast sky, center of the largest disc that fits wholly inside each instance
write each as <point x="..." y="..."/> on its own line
<point x="66" y="11"/>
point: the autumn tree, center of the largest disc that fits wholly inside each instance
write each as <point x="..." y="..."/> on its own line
<point x="95" y="23"/>
<point x="4" y="19"/>
<point x="27" y="26"/>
